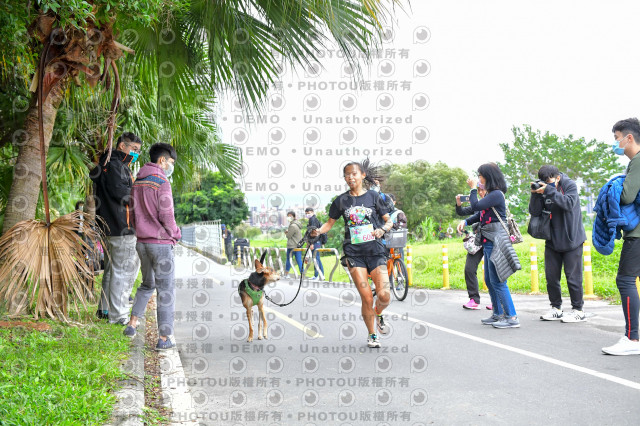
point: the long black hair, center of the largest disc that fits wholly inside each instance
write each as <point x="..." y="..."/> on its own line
<point x="367" y="168"/>
<point x="493" y="177"/>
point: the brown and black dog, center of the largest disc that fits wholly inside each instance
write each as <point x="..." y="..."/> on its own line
<point x="252" y="293"/>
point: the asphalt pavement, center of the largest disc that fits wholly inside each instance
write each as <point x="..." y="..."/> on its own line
<point x="438" y="365"/>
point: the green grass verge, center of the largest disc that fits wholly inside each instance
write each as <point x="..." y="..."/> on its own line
<point x="427" y="266"/>
<point x="65" y="375"/>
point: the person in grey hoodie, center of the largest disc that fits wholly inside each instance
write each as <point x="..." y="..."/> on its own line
<point x="157" y="234"/>
<point x="294" y="235"/>
<point x="558" y="194"/>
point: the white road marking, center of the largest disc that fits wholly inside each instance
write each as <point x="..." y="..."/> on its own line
<point x="544" y="358"/>
<point x="311" y="333"/>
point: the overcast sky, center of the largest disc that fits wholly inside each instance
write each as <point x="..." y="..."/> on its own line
<point x="453" y="79"/>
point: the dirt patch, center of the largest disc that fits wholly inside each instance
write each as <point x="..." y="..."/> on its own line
<point x="152" y="377"/>
<point x="40" y="326"/>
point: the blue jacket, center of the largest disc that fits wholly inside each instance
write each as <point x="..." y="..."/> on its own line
<point x="611" y="217"/>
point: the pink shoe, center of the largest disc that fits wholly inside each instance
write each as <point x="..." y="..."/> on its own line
<point x="489" y="307"/>
<point x="471" y="304"/>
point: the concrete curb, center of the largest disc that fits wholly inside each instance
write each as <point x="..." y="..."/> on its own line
<point x="128" y="410"/>
<point x="215" y="257"/>
<point x="175" y="390"/>
<point x="176" y="394"/>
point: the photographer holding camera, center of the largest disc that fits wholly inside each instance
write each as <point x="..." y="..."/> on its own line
<point x="474" y="256"/>
<point x="558" y="194"/>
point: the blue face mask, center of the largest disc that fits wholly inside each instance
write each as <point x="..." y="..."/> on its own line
<point x="616" y="148"/>
<point x="552" y="184"/>
<point x="134" y="155"/>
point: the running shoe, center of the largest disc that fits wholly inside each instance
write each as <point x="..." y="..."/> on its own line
<point x="554" y="314"/>
<point x="164" y="344"/>
<point x="575" y="315"/>
<point x="373" y="341"/>
<point x="511" y="322"/>
<point x="471" y="304"/>
<point x="624" y="346"/>
<point x="130" y="331"/>
<point x="492" y="319"/>
<point x="382" y="327"/>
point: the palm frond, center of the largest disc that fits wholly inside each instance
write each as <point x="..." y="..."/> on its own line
<point x="43" y="268"/>
<point x="247" y="40"/>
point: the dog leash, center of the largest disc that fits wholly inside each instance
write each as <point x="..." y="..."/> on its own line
<point x="306" y="238"/>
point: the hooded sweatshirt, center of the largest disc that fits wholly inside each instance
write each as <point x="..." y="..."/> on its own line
<point x="153" y="207"/>
<point x="567" y="231"/>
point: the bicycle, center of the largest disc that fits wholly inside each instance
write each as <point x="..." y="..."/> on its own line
<point x="397" y="275"/>
<point x="395" y="265"/>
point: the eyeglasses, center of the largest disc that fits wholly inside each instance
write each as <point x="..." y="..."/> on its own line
<point x="133" y="148"/>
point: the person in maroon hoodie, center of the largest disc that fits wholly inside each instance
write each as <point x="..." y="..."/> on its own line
<point x="157" y="234"/>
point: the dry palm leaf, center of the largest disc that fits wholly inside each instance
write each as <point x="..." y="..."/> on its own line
<point x="48" y="264"/>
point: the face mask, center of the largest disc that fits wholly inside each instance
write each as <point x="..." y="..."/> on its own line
<point x="375" y="188"/>
<point x="552" y="184"/>
<point x="169" y="170"/>
<point x="309" y="215"/>
<point x="617" y="149"/>
<point x="134" y="155"/>
<point x="289" y="219"/>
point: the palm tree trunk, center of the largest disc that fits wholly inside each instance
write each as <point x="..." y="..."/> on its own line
<point x="27" y="175"/>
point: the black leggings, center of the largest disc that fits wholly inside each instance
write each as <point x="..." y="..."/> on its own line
<point x="471" y="274"/>
<point x="628" y="270"/>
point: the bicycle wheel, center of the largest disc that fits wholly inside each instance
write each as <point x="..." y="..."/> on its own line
<point x="398" y="279"/>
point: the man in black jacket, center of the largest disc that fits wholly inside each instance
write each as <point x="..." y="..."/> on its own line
<point x="559" y="195"/>
<point x="112" y="190"/>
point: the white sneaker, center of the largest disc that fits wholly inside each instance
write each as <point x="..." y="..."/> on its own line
<point x="373" y="341"/>
<point x="382" y="327"/>
<point x="554" y="314"/>
<point x="623" y="347"/>
<point x="574" y="316"/>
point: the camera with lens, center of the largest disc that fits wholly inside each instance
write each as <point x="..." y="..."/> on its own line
<point x="537" y="184"/>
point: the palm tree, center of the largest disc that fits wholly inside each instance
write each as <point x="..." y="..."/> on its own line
<point x="204" y="46"/>
<point x="182" y="59"/>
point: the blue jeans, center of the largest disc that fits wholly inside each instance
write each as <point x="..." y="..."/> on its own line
<point x="298" y="256"/>
<point x="158" y="275"/>
<point x="316" y="246"/>
<point x="498" y="291"/>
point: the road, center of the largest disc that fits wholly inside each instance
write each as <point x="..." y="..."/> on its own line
<point x="438" y="365"/>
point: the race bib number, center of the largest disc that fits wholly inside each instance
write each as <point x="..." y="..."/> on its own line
<point x="361" y="234"/>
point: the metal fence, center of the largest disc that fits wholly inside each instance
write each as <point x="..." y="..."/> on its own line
<point x="205" y="236"/>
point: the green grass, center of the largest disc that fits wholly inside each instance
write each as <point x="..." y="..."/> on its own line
<point x="427" y="266"/>
<point x="66" y="375"/>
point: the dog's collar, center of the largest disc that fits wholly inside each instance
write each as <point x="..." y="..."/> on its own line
<point x="253" y="286"/>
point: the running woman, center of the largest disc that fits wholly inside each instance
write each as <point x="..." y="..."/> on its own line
<point x="366" y="220"/>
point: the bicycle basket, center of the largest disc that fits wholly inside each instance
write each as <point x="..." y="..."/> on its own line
<point x="396" y="239"/>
